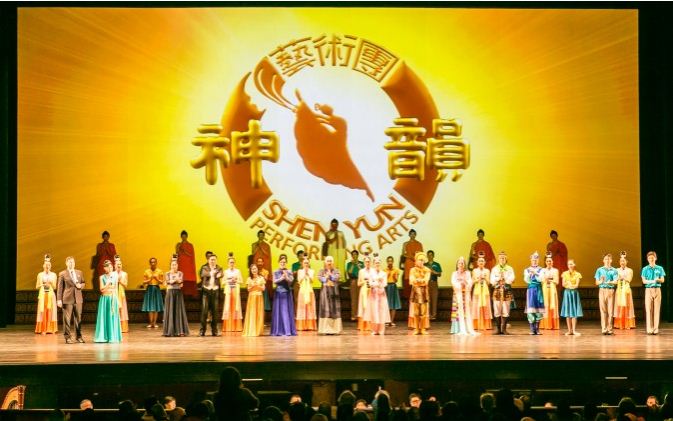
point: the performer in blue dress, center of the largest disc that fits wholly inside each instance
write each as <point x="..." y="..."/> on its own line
<point x="572" y="305"/>
<point x="108" y="325"/>
<point x="153" y="302"/>
<point x="532" y="275"/>
<point x="282" y="316"/>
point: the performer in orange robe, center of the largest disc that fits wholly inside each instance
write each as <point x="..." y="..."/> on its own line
<point x="559" y="252"/>
<point x="187" y="265"/>
<point x="481" y="246"/>
<point x="105" y="250"/>
<point x="262" y="249"/>
<point x="409" y="250"/>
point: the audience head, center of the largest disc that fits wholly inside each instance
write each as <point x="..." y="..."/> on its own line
<point x="158" y="412"/>
<point x="85" y="404"/>
<point x="429" y="410"/>
<point x="295" y="399"/>
<point x="360" y="416"/>
<point x="230" y="380"/>
<point x="415" y="400"/>
<point x="149" y="403"/>
<point x="487" y="401"/>
<point x="361" y="405"/>
<point x="652" y="402"/>
<point x="169" y="403"/>
<point x="626" y="406"/>
<point x="346" y="398"/>
<point x="272" y="413"/>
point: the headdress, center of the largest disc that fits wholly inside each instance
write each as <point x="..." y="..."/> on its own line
<point x="420" y="255"/>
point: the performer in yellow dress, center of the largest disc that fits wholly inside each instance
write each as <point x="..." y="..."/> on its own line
<point x="254" y="310"/>
<point x="306" y="314"/>
<point x="419" y="276"/>
<point x="481" y="298"/>
<point x="123" y="282"/>
<point x="550" y="280"/>
<point x="232" y="315"/>
<point x="47" y="315"/>
<point x="625" y="317"/>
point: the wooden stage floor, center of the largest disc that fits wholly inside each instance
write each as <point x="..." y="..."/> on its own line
<point x="57" y="372"/>
<point x="20" y="346"/>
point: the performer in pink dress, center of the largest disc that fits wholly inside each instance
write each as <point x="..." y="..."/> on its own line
<point x="377" y="312"/>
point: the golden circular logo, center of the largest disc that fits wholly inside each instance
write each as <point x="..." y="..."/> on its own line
<point x="419" y="145"/>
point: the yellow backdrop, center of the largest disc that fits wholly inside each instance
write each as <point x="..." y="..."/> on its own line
<point x="109" y="101"/>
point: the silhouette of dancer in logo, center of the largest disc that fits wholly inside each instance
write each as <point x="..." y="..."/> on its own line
<point x="321" y="143"/>
<point x="321" y="136"/>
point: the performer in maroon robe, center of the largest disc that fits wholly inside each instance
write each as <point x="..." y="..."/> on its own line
<point x="481" y="246"/>
<point x="105" y="250"/>
<point x="187" y="265"/>
<point x="559" y="252"/>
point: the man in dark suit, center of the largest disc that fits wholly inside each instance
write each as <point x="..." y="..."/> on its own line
<point x="69" y="298"/>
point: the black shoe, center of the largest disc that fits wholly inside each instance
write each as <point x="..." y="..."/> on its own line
<point x="80" y="340"/>
<point x="217" y="334"/>
<point x="68" y="340"/>
<point x="202" y="333"/>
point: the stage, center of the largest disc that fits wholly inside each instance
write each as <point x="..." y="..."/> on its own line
<point x="20" y="346"/>
<point x="60" y="371"/>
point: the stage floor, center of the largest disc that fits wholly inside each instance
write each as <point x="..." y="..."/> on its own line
<point x="20" y="346"/>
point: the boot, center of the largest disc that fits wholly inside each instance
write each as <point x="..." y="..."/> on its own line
<point x="498" y="325"/>
<point x="537" y="328"/>
<point x="503" y="327"/>
<point x="532" y="328"/>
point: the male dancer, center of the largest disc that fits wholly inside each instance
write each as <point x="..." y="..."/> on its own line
<point x="69" y="298"/>
<point x="502" y="276"/>
<point x="211" y="274"/>
<point x="653" y="276"/>
<point x="419" y="277"/>
<point x="606" y="279"/>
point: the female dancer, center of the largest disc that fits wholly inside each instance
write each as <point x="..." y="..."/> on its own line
<point x="330" y="302"/>
<point x="108" y="326"/>
<point x="122" y="285"/>
<point x="232" y="315"/>
<point x="363" y="283"/>
<point x="254" y="309"/>
<point x="550" y="280"/>
<point x="153" y="303"/>
<point x="175" y="314"/>
<point x="481" y="298"/>
<point x="625" y="318"/>
<point x="47" y="316"/>
<point x="461" y="316"/>
<point x="306" y="314"/>
<point x="282" y="320"/>
<point x="377" y="312"/>
<point x="392" y="292"/>
<point x="572" y="305"/>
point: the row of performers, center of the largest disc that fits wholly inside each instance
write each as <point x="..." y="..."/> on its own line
<point x="335" y="246"/>
<point x="379" y="297"/>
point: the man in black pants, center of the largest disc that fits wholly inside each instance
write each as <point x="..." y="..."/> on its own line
<point x="69" y="298"/>
<point x="211" y="274"/>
